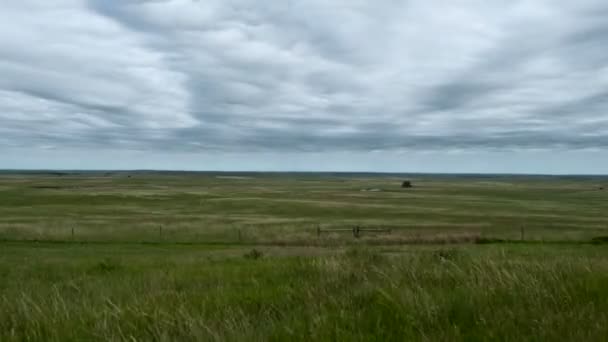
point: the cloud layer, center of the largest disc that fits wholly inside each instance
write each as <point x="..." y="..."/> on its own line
<point x="316" y="75"/>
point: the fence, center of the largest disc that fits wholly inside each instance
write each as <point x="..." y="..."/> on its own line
<point x="356" y="230"/>
<point x="245" y="235"/>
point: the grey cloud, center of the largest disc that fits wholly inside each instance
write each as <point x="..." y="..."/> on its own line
<point x="245" y="75"/>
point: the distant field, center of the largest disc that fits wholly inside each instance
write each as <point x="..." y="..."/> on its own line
<point x="237" y="257"/>
<point x="287" y="208"/>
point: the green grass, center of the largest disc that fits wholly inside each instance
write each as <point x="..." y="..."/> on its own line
<point x="54" y="292"/>
<point x="270" y="208"/>
<point x="239" y="259"/>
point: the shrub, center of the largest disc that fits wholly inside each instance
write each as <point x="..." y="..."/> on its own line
<point x="253" y="254"/>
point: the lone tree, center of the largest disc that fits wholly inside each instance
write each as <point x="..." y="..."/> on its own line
<point x="406" y="184"/>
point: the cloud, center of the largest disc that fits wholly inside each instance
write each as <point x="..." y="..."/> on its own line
<point x="314" y="76"/>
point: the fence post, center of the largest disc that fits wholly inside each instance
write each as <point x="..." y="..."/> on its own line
<point x="72" y="233"/>
<point x="318" y="230"/>
<point x="238" y="233"/>
<point x="356" y="231"/>
<point x="160" y="231"/>
<point x="522" y="233"/>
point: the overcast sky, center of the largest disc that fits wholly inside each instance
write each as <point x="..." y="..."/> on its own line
<point x="383" y="85"/>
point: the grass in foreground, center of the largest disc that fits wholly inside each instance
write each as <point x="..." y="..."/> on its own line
<point x="213" y="286"/>
<point x="64" y="292"/>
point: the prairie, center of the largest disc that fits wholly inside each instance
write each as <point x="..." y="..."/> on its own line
<point x="200" y="256"/>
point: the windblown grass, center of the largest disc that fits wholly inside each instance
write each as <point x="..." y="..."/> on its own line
<point x="113" y="292"/>
<point x="164" y="257"/>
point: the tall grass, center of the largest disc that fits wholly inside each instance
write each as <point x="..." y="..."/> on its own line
<point x="57" y="293"/>
<point x="221" y="289"/>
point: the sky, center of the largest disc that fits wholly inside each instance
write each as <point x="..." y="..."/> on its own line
<point x="305" y="85"/>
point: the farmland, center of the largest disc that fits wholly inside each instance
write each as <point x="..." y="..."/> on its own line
<point x="215" y="256"/>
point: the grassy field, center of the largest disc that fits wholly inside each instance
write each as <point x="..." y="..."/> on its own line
<point x="287" y="208"/>
<point x="238" y="258"/>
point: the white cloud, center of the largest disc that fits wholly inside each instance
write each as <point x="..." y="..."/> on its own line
<point x="77" y="62"/>
<point x="316" y="75"/>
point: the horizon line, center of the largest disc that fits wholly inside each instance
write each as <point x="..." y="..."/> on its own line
<point x="34" y="170"/>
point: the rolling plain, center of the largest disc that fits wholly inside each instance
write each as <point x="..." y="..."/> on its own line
<point x="271" y="256"/>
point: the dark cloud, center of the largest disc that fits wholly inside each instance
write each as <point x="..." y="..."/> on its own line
<point x="314" y="76"/>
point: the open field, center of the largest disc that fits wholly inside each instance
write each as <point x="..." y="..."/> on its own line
<point x="287" y="208"/>
<point x="238" y="258"/>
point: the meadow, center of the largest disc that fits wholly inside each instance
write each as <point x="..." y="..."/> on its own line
<point x="145" y="256"/>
